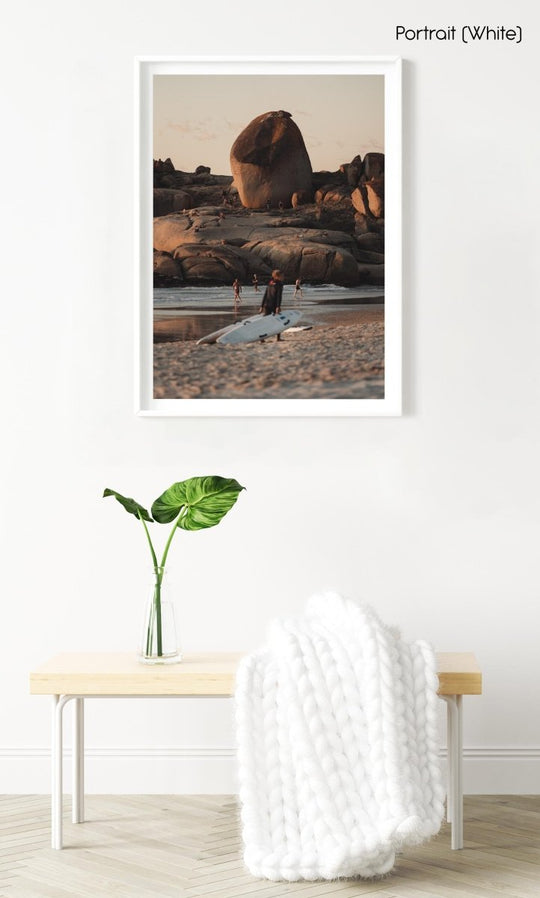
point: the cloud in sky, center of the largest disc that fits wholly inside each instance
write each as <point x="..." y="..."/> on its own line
<point x="198" y="130"/>
<point x="234" y="127"/>
<point x="374" y="145"/>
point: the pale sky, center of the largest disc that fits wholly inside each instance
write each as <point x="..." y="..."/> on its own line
<point x="197" y="118"/>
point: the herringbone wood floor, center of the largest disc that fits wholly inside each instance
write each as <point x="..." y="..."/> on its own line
<point x="189" y="847"/>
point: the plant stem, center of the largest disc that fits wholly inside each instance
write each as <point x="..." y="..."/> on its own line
<point x="169" y="541"/>
<point x="154" y="557"/>
<point x="159" y="570"/>
<point x="149" y="631"/>
<point x="156" y="601"/>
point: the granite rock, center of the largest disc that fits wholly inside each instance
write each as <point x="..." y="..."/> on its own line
<point x="269" y="161"/>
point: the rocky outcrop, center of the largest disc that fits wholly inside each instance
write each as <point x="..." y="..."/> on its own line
<point x="167" y="271"/>
<point x="311" y="261"/>
<point x="371" y="274"/>
<point x="333" y="193"/>
<point x="368" y="198"/>
<point x="208" y="263"/>
<point x="373" y="166"/>
<point x="334" y="232"/>
<point x="362" y="224"/>
<point x="169" y="231"/>
<point x="359" y="201"/>
<point x="353" y="171"/>
<point x="370" y="241"/>
<point x="163" y="166"/>
<point x="210" y="194"/>
<point x="202" y="188"/>
<point x="269" y="161"/>
<point x="375" y="196"/>
<point x="301" y="198"/>
<point x="168" y="200"/>
<point x="213" y="249"/>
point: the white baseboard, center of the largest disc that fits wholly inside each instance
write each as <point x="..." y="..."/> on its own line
<point x="502" y="770"/>
<point x="126" y="770"/>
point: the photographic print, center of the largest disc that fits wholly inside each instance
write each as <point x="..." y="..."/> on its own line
<point x="269" y="237"/>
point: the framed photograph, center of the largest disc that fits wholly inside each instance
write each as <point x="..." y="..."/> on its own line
<point x="268" y="236"/>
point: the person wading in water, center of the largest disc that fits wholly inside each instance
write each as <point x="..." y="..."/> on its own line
<point x="271" y="301"/>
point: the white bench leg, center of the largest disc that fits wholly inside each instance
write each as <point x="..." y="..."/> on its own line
<point x="454" y="813"/>
<point x="78" y="761"/>
<point x="57" y="764"/>
<point x="57" y="756"/>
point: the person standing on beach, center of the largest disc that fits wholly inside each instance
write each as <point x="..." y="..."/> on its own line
<point x="271" y="301"/>
<point x="255" y="282"/>
<point x="237" y="289"/>
<point x="297" y="288"/>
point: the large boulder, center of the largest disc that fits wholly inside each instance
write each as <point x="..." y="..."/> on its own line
<point x="269" y="161"/>
<point x="301" y="198"/>
<point x="359" y="200"/>
<point x="161" y="166"/>
<point x="366" y="255"/>
<point x="353" y="171"/>
<point x="375" y="196"/>
<point x="204" y="263"/>
<point x="169" y="231"/>
<point x="371" y="274"/>
<point x="333" y="193"/>
<point x="167" y="271"/>
<point x="217" y="264"/>
<point x="370" y="241"/>
<point x="368" y="198"/>
<point x="373" y="165"/>
<point x="304" y="258"/>
<point x="204" y="194"/>
<point x="336" y="217"/>
<point x="334" y="265"/>
<point x="167" y="200"/>
<point x="361" y="223"/>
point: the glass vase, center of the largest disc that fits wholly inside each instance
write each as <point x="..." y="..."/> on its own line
<point x="159" y="642"/>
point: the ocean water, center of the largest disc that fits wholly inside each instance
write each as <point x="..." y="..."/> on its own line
<point x="188" y="313"/>
<point x="185" y="299"/>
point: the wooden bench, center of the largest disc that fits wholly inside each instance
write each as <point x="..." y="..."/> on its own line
<point x="75" y="677"/>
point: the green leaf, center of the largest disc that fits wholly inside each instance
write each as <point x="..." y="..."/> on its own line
<point x="204" y="501"/>
<point x="129" y="504"/>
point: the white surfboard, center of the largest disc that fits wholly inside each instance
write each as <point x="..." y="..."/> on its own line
<point x="211" y="338"/>
<point x="259" y="327"/>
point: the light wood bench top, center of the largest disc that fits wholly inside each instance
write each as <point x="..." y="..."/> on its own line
<point x="115" y="673"/>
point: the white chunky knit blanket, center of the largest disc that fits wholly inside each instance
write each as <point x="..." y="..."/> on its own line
<point x="337" y="745"/>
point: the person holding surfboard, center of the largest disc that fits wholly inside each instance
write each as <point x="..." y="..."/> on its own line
<point x="271" y="301"/>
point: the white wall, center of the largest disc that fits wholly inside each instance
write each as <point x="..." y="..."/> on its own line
<point x="432" y="517"/>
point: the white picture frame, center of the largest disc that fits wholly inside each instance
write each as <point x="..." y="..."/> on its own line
<point x="146" y="68"/>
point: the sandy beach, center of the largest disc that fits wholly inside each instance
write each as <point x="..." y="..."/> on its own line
<point x="341" y="360"/>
